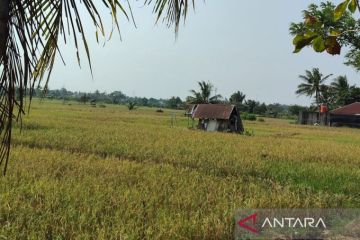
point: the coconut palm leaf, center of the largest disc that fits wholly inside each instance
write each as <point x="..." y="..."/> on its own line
<point x="30" y="31"/>
<point x="204" y="95"/>
<point x="313" y="82"/>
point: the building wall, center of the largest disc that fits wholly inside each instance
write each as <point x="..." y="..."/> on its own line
<point x="312" y="118"/>
<point x="345" y="120"/>
<point x="208" y="125"/>
<point x="327" y="119"/>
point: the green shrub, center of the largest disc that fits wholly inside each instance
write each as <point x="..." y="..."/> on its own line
<point x="261" y="120"/>
<point x="251" y="117"/>
<point x="248" y="116"/>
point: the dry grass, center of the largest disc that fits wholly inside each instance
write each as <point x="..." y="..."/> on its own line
<point x="79" y="172"/>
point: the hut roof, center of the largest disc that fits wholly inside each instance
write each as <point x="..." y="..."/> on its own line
<point x="215" y="111"/>
<point x="352" y="109"/>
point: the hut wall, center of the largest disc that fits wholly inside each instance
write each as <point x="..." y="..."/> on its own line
<point x="223" y="125"/>
<point x="311" y="118"/>
<point x="212" y="125"/>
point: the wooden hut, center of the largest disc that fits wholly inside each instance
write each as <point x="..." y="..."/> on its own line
<point x="314" y="118"/>
<point x="218" y="117"/>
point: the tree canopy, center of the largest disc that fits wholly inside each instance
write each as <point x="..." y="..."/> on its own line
<point x="338" y="93"/>
<point x="205" y="95"/>
<point x="313" y="83"/>
<point x="330" y="28"/>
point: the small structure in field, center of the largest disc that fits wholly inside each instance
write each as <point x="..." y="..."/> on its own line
<point x="314" y="118"/>
<point x="348" y="115"/>
<point x="218" y="117"/>
<point x="321" y="117"/>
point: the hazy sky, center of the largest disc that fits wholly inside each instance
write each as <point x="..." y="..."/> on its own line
<point x="236" y="45"/>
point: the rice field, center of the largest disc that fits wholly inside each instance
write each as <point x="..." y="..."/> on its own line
<point x="82" y="172"/>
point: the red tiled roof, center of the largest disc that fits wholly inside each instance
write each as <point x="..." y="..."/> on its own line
<point x="352" y="109"/>
<point x="214" y="111"/>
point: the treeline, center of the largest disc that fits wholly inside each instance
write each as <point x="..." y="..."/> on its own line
<point x="118" y="97"/>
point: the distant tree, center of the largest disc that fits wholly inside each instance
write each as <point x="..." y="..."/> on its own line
<point x="117" y="97"/>
<point x="296" y="109"/>
<point x="312" y="84"/>
<point x="131" y="105"/>
<point x="276" y="109"/>
<point x="327" y="95"/>
<point x="154" y="102"/>
<point x="251" y="105"/>
<point x="97" y="95"/>
<point x="84" y="98"/>
<point x="174" y="103"/>
<point x="63" y="93"/>
<point x="143" y="101"/>
<point x="353" y="96"/>
<point x="237" y="98"/>
<point x="39" y="92"/>
<point x="260" y="109"/>
<point x="341" y="89"/>
<point x="204" y="95"/>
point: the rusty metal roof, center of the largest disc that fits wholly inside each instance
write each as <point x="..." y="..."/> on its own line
<point x="352" y="109"/>
<point x="213" y="111"/>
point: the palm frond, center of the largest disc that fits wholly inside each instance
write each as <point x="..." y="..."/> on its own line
<point x="172" y="11"/>
<point x="30" y="31"/>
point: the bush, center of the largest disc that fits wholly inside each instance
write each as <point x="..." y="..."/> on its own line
<point x="131" y="105"/>
<point x="248" y="116"/>
<point x="251" y="117"/>
<point x="261" y="120"/>
<point x="159" y="111"/>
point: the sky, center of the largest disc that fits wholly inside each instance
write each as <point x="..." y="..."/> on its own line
<point x="236" y="45"/>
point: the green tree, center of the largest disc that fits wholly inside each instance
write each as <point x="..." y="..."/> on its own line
<point x="329" y="28"/>
<point x="340" y="89"/>
<point x="313" y="81"/>
<point x="117" y="97"/>
<point x="327" y="95"/>
<point x="205" y="95"/>
<point x="131" y="105"/>
<point x="174" y="103"/>
<point x="296" y="109"/>
<point x="84" y="98"/>
<point x="30" y="35"/>
<point x="252" y="105"/>
<point x="237" y="98"/>
<point x="276" y="109"/>
<point x="354" y="95"/>
<point x="260" y="109"/>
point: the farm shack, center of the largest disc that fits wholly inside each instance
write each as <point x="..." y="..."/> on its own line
<point x="314" y="118"/>
<point x="348" y="115"/>
<point x="218" y="117"/>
